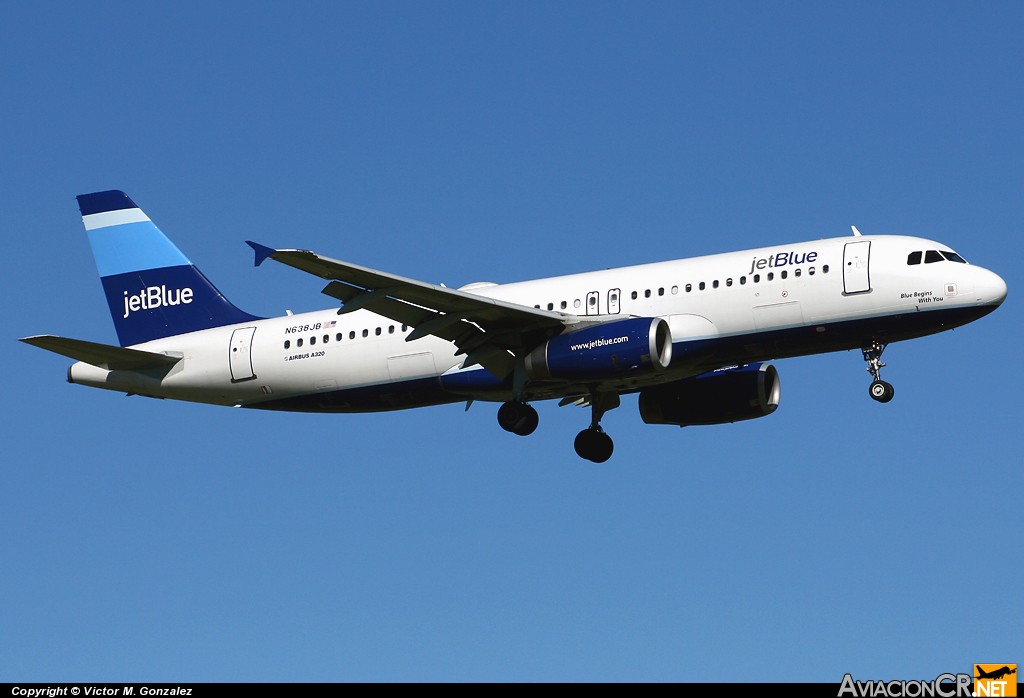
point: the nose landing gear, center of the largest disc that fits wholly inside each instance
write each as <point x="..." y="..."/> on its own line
<point x="879" y="390"/>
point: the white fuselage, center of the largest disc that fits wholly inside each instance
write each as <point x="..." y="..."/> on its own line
<point x="722" y="309"/>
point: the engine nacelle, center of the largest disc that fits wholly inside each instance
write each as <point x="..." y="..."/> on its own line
<point x="716" y="397"/>
<point x="606" y="350"/>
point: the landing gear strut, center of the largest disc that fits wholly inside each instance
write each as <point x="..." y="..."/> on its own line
<point x="518" y="418"/>
<point x="592" y="443"/>
<point x="880" y="390"/>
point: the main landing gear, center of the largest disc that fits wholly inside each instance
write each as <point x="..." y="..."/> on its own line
<point x="518" y="418"/>
<point x="592" y="443"/>
<point x="880" y="390"/>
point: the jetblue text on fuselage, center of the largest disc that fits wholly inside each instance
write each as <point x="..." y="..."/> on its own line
<point x="153" y="297"/>
<point x="598" y="343"/>
<point x="782" y="259"/>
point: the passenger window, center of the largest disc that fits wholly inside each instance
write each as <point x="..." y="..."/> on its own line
<point x="377" y="332"/>
<point x="771" y="275"/>
<point x="702" y="286"/>
<point x="298" y="342"/>
<point x="824" y="269"/>
<point x="352" y="334"/>
<point x="728" y="282"/>
<point x="743" y="280"/>
<point x="312" y="341"/>
<point x="338" y="337"/>
<point x="287" y="344"/>
<point x="757" y="278"/>
<point x="404" y="328"/>
<point x="576" y="303"/>
<point x="932" y="256"/>
<point x="633" y="295"/>
<point x="675" y="290"/>
<point x="689" y="287"/>
<point x="784" y="274"/>
<point x="810" y="271"/>
<point x="661" y="291"/>
<point x="647" y="293"/>
<point x="914" y="258"/>
<point x="563" y="305"/>
<point x="592" y="301"/>
<point x="366" y="333"/>
<point x="551" y="306"/>
<point x="327" y="338"/>
<point x="796" y="273"/>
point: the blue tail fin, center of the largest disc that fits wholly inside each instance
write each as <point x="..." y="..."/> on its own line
<point x="151" y="287"/>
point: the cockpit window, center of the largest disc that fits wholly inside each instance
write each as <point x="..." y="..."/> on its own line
<point x="932" y="256"/>
<point x="914" y="258"/>
<point x="953" y="257"/>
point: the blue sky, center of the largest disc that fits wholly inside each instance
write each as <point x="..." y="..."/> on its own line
<point x="459" y="142"/>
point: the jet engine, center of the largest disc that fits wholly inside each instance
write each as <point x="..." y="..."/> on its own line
<point x="717" y="397"/>
<point x="605" y="350"/>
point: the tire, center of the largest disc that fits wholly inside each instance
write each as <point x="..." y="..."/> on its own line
<point x="593" y="445"/>
<point x="528" y="424"/>
<point x="518" y="417"/>
<point x="882" y="391"/>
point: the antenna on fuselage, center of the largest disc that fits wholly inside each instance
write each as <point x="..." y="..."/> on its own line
<point x="855" y="231"/>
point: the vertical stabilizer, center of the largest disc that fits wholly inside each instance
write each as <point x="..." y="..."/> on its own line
<point x="152" y="289"/>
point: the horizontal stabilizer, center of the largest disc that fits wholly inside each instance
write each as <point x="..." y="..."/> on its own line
<point x="103" y="356"/>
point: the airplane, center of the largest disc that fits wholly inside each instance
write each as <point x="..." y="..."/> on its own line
<point x="692" y="337"/>
<point x="996" y="674"/>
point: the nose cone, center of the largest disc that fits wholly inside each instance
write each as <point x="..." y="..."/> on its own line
<point x="990" y="288"/>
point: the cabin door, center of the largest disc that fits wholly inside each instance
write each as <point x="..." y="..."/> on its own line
<point x="856" y="278"/>
<point x="240" y="355"/>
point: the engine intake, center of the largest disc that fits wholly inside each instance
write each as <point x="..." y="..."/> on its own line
<point x="603" y="351"/>
<point x="716" y="397"/>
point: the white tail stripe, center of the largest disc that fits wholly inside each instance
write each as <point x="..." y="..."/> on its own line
<point x="109" y="218"/>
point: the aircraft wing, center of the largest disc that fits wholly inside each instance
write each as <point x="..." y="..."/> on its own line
<point x="104" y="356"/>
<point x="488" y="331"/>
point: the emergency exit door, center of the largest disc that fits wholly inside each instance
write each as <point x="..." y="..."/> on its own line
<point x="613" y="301"/>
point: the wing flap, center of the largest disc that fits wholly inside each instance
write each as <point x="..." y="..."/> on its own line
<point x="103" y="356"/>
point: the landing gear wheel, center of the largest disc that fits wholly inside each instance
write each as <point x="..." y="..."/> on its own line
<point x="518" y="418"/>
<point x="594" y="445"/>
<point x="882" y="391"/>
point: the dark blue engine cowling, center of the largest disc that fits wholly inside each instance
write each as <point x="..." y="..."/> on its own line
<point x="603" y="351"/>
<point x="716" y="397"/>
